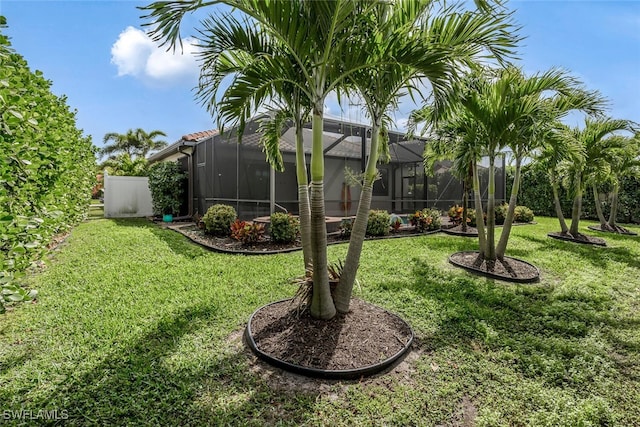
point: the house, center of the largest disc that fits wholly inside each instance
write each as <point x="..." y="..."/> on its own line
<point x="221" y="170"/>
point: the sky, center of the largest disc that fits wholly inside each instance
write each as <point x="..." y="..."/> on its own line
<point x="97" y="53"/>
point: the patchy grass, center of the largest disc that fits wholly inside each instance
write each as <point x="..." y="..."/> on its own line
<point x="133" y="322"/>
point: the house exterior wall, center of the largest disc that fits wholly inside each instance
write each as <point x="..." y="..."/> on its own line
<point x="127" y="197"/>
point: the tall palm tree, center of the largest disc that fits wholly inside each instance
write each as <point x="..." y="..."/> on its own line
<point x="437" y="55"/>
<point x="135" y="143"/>
<point x="325" y="40"/>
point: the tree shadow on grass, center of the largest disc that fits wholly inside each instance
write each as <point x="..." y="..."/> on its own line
<point x="543" y="335"/>
<point x="596" y="255"/>
<point x="176" y="242"/>
<point x="137" y="386"/>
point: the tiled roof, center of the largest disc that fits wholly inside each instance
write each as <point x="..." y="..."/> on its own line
<point x="198" y="136"/>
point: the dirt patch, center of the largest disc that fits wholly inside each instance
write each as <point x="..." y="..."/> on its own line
<point x="366" y="336"/>
<point x="457" y="231"/>
<point x="578" y="238"/>
<point x="508" y="269"/>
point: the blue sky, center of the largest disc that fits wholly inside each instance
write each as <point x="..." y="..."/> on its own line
<point x="96" y="53"/>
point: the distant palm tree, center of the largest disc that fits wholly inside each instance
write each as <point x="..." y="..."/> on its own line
<point x="595" y="139"/>
<point x="135" y="143"/>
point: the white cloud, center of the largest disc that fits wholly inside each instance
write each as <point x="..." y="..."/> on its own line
<point x="135" y="54"/>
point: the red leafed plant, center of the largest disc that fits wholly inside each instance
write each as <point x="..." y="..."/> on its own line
<point x="246" y="232"/>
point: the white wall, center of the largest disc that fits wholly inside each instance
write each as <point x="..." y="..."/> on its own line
<point x="127" y="197"/>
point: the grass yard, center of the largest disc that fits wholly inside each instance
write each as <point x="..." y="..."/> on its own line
<point x="136" y="326"/>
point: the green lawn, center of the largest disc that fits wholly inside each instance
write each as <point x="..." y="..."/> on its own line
<point x="135" y="325"/>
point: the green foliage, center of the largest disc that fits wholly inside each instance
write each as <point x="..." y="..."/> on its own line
<point x="218" y="219"/>
<point x="247" y="232"/>
<point x="46" y="170"/>
<point x="523" y="214"/>
<point x="426" y="220"/>
<point x="378" y="223"/>
<point x="501" y="213"/>
<point x="346" y="225"/>
<point x="166" y="182"/>
<point x="284" y="228"/>
<point x="455" y="214"/>
<point x="471" y="217"/>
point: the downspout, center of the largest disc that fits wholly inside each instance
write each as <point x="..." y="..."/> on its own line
<point x="190" y="179"/>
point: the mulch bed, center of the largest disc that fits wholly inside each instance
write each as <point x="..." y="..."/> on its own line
<point x="615" y="230"/>
<point x="457" y="231"/>
<point x="578" y="238"/>
<point x="266" y="246"/>
<point x="366" y="336"/>
<point x="508" y="269"/>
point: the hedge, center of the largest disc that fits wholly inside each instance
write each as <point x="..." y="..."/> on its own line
<point x="47" y="169"/>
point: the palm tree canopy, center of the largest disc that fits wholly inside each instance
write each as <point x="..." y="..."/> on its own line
<point x="134" y="143"/>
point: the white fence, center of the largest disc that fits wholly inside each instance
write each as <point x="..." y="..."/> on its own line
<point x="127" y="197"/>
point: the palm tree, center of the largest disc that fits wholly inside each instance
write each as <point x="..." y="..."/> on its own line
<point x="134" y="143"/>
<point x="622" y="159"/>
<point x="554" y="151"/>
<point x="325" y="40"/>
<point x="504" y="109"/>
<point x="436" y="58"/>
<point x="594" y="140"/>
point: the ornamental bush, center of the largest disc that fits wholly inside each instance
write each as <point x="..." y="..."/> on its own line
<point x="426" y="220"/>
<point x="218" y="220"/>
<point x="523" y="214"/>
<point x="166" y="182"/>
<point x="378" y="223"/>
<point x="47" y="170"/>
<point x="284" y="228"/>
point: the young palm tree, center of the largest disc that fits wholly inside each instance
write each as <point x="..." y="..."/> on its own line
<point x="623" y="159"/>
<point x="505" y="109"/>
<point x="595" y="140"/>
<point x="325" y="40"/>
<point x="134" y="143"/>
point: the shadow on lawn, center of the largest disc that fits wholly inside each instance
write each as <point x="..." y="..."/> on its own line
<point x="596" y="255"/>
<point x="176" y="242"/>
<point x="135" y="386"/>
<point x="543" y="335"/>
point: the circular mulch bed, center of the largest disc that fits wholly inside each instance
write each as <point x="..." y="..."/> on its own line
<point x="457" y="231"/>
<point x="578" y="238"/>
<point x="365" y="341"/>
<point x="617" y="230"/>
<point x="508" y="269"/>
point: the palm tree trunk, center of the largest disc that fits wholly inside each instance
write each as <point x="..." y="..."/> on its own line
<point x="614" y="205"/>
<point x="577" y="207"/>
<point x="596" y="201"/>
<point x="465" y="200"/>
<point x="322" y="306"/>
<point x="303" y="199"/>
<point x="359" y="230"/>
<point x="482" y="237"/>
<point x="491" y="211"/>
<point x="556" y="201"/>
<point x="508" y="221"/>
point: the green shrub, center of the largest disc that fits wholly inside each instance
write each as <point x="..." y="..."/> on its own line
<point x="501" y="213"/>
<point x="471" y="218"/>
<point x="346" y="225"/>
<point x="523" y="214"/>
<point x="246" y="232"/>
<point x="166" y="182"/>
<point x="284" y="228"/>
<point x="426" y="220"/>
<point x="378" y="223"/>
<point x="218" y="220"/>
